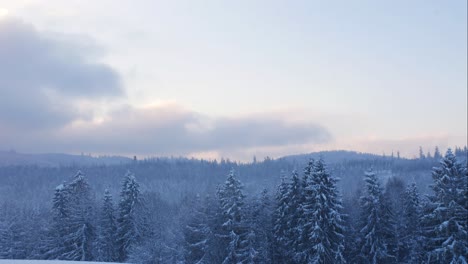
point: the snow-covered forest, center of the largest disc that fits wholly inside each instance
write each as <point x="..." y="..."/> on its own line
<point x="233" y="132"/>
<point x="330" y="207"/>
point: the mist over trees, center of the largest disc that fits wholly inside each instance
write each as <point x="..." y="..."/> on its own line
<point x="302" y="209"/>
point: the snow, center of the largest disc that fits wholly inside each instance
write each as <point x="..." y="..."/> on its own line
<point x="10" y="261"/>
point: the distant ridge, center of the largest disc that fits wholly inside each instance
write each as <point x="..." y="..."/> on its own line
<point x="333" y="156"/>
<point x="12" y="158"/>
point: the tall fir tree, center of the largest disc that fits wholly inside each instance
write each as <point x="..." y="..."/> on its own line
<point x="294" y="233"/>
<point x="302" y="241"/>
<point x="106" y="247"/>
<point x="412" y="239"/>
<point x="82" y="233"/>
<point x="421" y="153"/>
<point x="394" y="200"/>
<point x="252" y="254"/>
<point x="445" y="221"/>
<point x="129" y="231"/>
<point x="216" y="237"/>
<point x="197" y="234"/>
<point x="3" y="237"/>
<point x="55" y="243"/>
<point x="437" y="155"/>
<point x="280" y="227"/>
<point x="352" y="235"/>
<point x="323" y="212"/>
<point x="376" y="226"/>
<point x="14" y="238"/>
<point x="263" y="226"/>
<point x="234" y="231"/>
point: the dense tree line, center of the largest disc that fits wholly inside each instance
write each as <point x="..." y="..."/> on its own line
<point x="304" y="220"/>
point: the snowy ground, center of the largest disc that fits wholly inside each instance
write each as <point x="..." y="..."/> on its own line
<point x="9" y="261"/>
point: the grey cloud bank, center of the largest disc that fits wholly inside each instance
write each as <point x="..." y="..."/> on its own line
<point x="172" y="130"/>
<point x="42" y="76"/>
<point x="169" y="130"/>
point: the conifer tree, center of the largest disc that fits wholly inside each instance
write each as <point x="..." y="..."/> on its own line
<point x="82" y="233"/>
<point x="389" y="229"/>
<point x="197" y="234"/>
<point x="107" y="250"/>
<point x="56" y="245"/>
<point x="128" y="226"/>
<point x="302" y="241"/>
<point x="411" y="232"/>
<point x="263" y="227"/>
<point x="421" y="153"/>
<point x="3" y="238"/>
<point x="294" y="238"/>
<point x="252" y="254"/>
<point x="280" y="228"/>
<point x="376" y="226"/>
<point x="437" y="155"/>
<point x="216" y="242"/>
<point x="428" y="155"/>
<point x="13" y="238"/>
<point x="231" y="199"/>
<point x="394" y="200"/>
<point x="352" y="235"/>
<point x="446" y="218"/>
<point x="325" y="223"/>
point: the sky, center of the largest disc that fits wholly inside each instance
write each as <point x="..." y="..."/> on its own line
<point x="232" y="79"/>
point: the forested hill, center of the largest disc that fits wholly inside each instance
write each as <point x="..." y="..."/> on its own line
<point x="13" y="158"/>
<point x="175" y="178"/>
<point x="188" y="209"/>
<point x="334" y="156"/>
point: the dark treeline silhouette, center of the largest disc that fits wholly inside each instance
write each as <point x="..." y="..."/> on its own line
<point x="371" y="210"/>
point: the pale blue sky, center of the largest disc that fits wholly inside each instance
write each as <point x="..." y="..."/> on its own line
<point x="375" y="75"/>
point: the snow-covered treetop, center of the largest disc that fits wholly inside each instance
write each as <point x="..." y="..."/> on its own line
<point x="60" y="187"/>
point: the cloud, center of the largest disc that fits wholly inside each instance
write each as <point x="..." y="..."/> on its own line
<point x="170" y="129"/>
<point x="46" y="80"/>
<point x="173" y="130"/>
<point x="43" y="75"/>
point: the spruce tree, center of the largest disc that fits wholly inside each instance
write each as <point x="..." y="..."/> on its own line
<point x="252" y="254"/>
<point x="107" y="250"/>
<point x="13" y="238"/>
<point x="197" y="234"/>
<point x="234" y="232"/>
<point x="412" y="239"/>
<point x="421" y="153"/>
<point x="389" y="229"/>
<point x="216" y="242"/>
<point x="352" y="227"/>
<point x="302" y="243"/>
<point x="55" y="243"/>
<point x="294" y="233"/>
<point x="263" y="226"/>
<point x="376" y="225"/>
<point x="446" y="216"/>
<point x="437" y="155"/>
<point x="280" y="228"/>
<point x="323" y="212"/>
<point x="128" y="226"/>
<point x="3" y="238"/>
<point x="82" y="233"/>
<point x="394" y="200"/>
